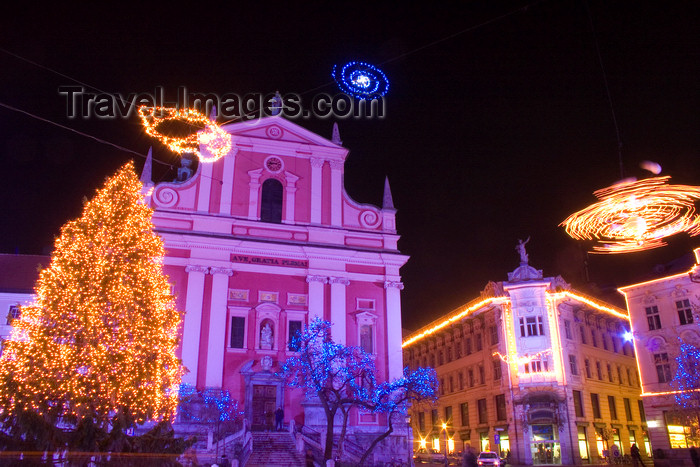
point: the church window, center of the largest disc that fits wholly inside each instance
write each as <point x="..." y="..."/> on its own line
<point x="366" y="338"/>
<point x="271" y="201"/>
<point x="295" y="331"/>
<point x="237" y="340"/>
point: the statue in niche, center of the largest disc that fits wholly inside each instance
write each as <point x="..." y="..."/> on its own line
<point x="266" y="337"/>
<point x="520" y="247"/>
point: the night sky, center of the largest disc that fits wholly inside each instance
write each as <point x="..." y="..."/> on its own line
<point x="497" y="125"/>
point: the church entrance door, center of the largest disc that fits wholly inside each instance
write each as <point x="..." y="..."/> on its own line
<point x="264" y="402"/>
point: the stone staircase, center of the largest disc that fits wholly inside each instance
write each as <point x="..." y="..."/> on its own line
<point x="274" y="449"/>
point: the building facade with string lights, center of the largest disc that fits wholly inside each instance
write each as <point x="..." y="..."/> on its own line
<point x="664" y="314"/>
<point x="532" y="368"/>
<point x="262" y="241"/>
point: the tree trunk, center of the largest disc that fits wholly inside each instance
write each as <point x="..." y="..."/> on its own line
<point x="343" y="431"/>
<point x="378" y="440"/>
<point x="330" y="418"/>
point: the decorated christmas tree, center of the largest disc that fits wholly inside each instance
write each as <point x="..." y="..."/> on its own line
<point x="99" y="342"/>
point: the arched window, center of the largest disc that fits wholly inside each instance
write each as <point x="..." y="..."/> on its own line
<point x="271" y="203"/>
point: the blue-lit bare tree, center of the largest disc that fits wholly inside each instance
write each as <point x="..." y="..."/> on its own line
<point x="344" y="377"/>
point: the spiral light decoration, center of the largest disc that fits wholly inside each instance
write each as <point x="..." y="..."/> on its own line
<point x="209" y="134"/>
<point x="361" y="80"/>
<point x="636" y="215"/>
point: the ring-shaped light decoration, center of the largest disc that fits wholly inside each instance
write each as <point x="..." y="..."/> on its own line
<point x="208" y="134"/>
<point x="636" y="215"/>
<point x="361" y="80"/>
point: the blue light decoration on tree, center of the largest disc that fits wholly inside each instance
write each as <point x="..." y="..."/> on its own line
<point x="361" y="80"/>
<point x="342" y="377"/>
<point x="209" y="405"/>
<point x="687" y="377"/>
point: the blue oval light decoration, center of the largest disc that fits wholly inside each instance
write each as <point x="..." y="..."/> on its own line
<point x="361" y="80"/>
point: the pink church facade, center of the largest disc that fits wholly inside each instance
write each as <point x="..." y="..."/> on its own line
<point x="264" y="240"/>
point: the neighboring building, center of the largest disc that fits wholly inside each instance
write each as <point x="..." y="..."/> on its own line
<point x="262" y="241"/>
<point x="665" y="312"/>
<point x="531" y="367"/>
<point x="18" y="275"/>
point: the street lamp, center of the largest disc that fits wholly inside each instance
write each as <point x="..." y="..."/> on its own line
<point x="444" y="428"/>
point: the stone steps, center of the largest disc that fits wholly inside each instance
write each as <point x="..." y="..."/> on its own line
<point x="274" y="449"/>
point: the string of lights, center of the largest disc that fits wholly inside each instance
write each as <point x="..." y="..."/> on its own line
<point x="102" y="334"/>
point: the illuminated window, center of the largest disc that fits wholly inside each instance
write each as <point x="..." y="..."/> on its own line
<point x="595" y="405"/>
<point x="578" y="403"/>
<point x="663" y="367"/>
<point x="271" y="201"/>
<point x="582" y="443"/>
<point x="685" y="312"/>
<point x="612" y="407"/>
<point x="653" y="319"/>
<point x="573" y="365"/>
<point x="464" y="411"/>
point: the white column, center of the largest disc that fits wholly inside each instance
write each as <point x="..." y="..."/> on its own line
<point x="316" y="296"/>
<point x="290" y="189"/>
<point x="254" y="194"/>
<point x="227" y="185"/>
<point x="316" y="189"/>
<point x="193" y="321"/>
<point x="336" y="193"/>
<point x="204" y="187"/>
<point x="393" y="328"/>
<point x="338" y="309"/>
<point x="217" y="327"/>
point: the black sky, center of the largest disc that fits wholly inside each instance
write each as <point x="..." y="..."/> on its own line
<point x="494" y="134"/>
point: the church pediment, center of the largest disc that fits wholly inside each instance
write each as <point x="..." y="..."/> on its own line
<point x="277" y="129"/>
